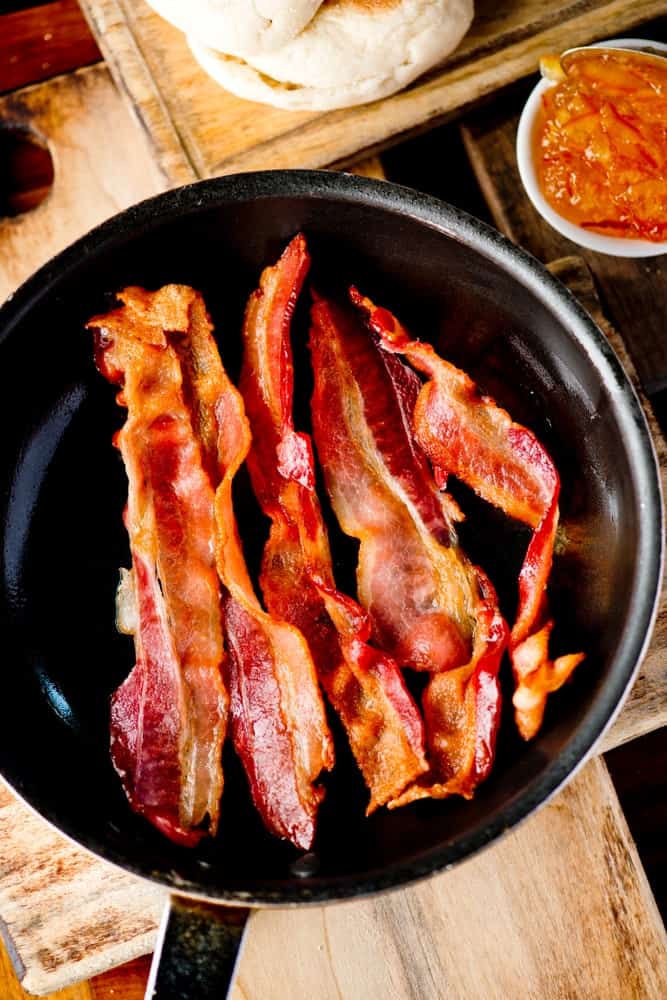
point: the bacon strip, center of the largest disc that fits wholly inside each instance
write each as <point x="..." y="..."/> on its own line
<point x="469" y="436"/>
<point x="168" y="719"/>
<point x="364" y="686"/>
<point x="278" y="719"/>
<point x="430" y="608"/>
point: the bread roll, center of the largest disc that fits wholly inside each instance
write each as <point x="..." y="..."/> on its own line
<point x="351" y="52"/>
<point x="239" y="27"/>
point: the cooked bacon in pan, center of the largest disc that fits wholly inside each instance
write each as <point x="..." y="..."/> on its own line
<point x="364" y="685"/>
<point x="208" y="654"/>
<point x="430" y="607"/>
<point x="467" y="435"/>
<point x="278" y="721"/>
<point x="168" y="719"/>
<point x="185" y="437"/>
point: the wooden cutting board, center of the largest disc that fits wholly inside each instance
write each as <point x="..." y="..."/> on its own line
<point x="560" y="908"/>
<point x="197" y="129"/>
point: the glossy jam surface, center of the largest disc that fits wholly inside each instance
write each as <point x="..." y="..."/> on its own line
<point x="601" y="143"/>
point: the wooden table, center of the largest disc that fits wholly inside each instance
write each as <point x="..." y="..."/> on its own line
<point x="38" y="42"/>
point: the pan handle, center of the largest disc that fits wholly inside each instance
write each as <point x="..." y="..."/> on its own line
<point x="197" y="950"/>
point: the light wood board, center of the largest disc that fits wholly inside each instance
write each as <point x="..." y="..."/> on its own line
<point x="558" y="909"/>
<point x="197" y="129"/>
<point x="554" y="910"/>
<point x="89" y="133"/>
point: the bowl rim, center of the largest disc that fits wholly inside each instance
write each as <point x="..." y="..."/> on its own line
<point x="614" y="246"/>
<point x="454" y="224"/>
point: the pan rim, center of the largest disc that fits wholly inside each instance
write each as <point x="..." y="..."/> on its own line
<point x="521" y="266"/>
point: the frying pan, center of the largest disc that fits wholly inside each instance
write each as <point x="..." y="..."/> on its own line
<point x="492" y="309"/>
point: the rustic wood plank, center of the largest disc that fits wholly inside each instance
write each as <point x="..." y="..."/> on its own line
<point x="123" y="54"/>
<point x="371" y="167"/>
<point x="559" y="908"/>
<point x="125" y="983"/>
<point x="197" y="126"/>
<point x="11" y="989"/>
<point x="503" y="924"/>
<point x="76" y="115"/>
<point x="66" y="915"/>
<point x="40" y="42"/>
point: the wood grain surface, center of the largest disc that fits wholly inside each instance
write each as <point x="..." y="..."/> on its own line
<point x="87" y="915"/>
<point x="88" y="130"/>
<point x="499" y="926"/>
<point x="43" y="41"/>
<point x="199" y="129"/>
<point x="560" y="908"/>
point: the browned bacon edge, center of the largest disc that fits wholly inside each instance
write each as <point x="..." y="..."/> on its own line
<point x="430" y="608"/>
<point x="278" y="720"/>
<point x="364" y="686"/>
<point x="469" y="436"/>
<point x="168" y="718"/>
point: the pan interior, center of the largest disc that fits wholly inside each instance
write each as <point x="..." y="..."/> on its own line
<point x="64" y="489"/>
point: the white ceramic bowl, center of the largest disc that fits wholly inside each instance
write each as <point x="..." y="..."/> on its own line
<point x="616" y="246"/>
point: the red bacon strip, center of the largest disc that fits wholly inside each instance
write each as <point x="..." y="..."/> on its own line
<point x="469" y="436"/>
<point x="364" y="686"/>
<point x="278" y="720"/>
<point x="430" y="608"/>
<point x="168" y="719"/>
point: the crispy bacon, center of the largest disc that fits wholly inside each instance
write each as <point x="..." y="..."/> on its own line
<point x="364" y="686"/>
<point x="168" y="719"/>
<point x="462" y="709"/>
<point x="467" y="435"/>
<point x="430" y="608"/>
<point x="278" y="720"/>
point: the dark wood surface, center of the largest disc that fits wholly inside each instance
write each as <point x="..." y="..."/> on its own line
<point x="39" y="42"/>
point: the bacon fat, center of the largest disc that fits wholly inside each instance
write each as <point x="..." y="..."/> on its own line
<point x="278" y="719"/>
<point x="168" y="719"/>
<point x="430" y="608"/>
<point x="467" y="435"/>
<point x="364" y="686"/>
<point x="208" y="653"/>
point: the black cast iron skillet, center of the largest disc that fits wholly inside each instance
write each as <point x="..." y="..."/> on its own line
<point x="492" y="309"/>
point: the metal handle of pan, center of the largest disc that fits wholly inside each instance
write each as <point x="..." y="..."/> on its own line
<point x="197" y="950"/>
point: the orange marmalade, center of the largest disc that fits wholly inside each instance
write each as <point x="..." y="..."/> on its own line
<point x="601" y="143"/>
